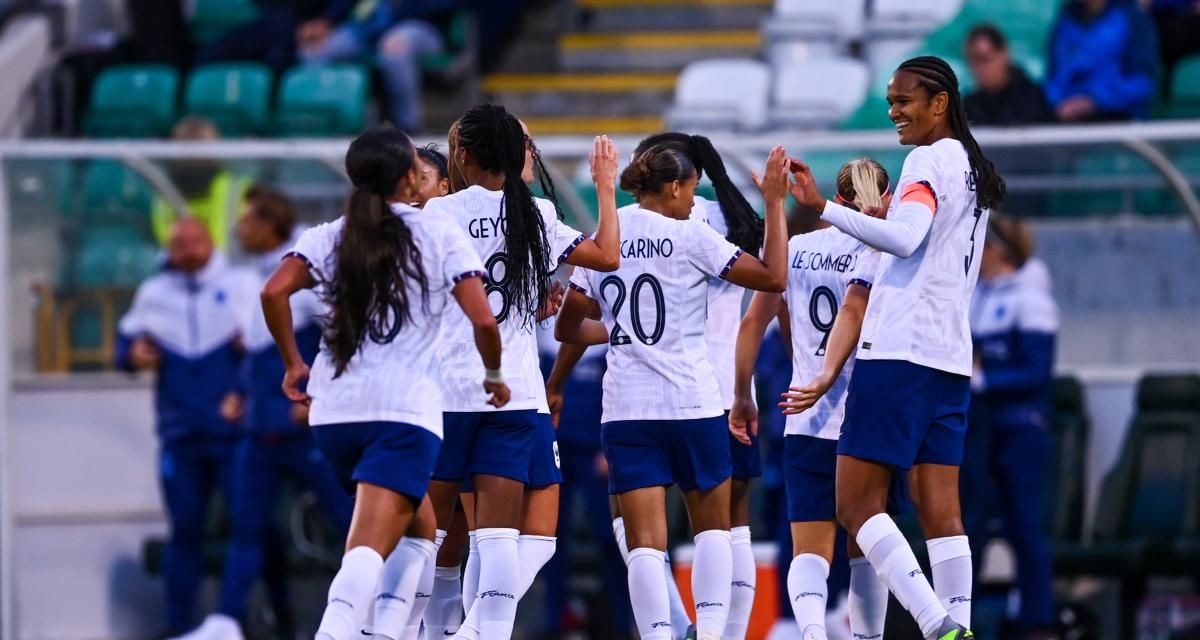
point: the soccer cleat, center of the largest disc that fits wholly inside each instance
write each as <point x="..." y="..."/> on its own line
<point x="690" y="634"/>
<point x="951" y="630"/>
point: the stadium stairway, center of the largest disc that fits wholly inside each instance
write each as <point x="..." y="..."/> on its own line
<point x="615" y="66"/>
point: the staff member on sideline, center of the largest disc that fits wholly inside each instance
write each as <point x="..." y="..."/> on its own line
<point x="183" y="324"/>
<point x="1014" y="322"/>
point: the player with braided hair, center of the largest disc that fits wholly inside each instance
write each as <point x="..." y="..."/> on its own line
<point x="908" y="396"/>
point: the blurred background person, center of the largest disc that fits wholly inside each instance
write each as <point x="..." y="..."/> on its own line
<point x="1004" y="94"/>
<point x="1102" y="62"/>
<point x="184" y="325"/>
<point x="211" y="192"/>
<point x="276" y="445"/>
<point x="1178" y="23"/>
<point x="398" y="32"/>
<point x="1014" y="322"/>
<point x="273" y="36"/>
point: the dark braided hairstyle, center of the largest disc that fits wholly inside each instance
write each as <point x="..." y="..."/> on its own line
<point x="936" y="76"/>
<point x="543" y="177"/>
<point x="494" y="139"/>
<point x="375" y="253"/>
<point x="745" y="227"/>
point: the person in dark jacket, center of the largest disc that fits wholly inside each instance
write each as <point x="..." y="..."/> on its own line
<point x="1102" y="63"/>
<point x="1014" y="323"/>
<point x="1004" y="95"/>
<point x="274" y="36"/>
<point x="184" y="324"/>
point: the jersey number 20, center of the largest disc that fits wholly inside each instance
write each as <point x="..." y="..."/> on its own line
<point x="617" y="336"/>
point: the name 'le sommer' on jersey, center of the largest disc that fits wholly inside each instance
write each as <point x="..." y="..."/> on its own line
<point x="817" y="261"/>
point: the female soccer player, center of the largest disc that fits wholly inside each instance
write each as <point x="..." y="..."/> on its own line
<point x="663" y="419"/>
<point x="433" y="173"/>
<point x="829" y="270"/>
<point x="523" y="241"/>
<point x="911" y="385"/>
<point x="387" y="273"/>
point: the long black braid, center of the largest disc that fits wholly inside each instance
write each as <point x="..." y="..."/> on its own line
<point x="543" y="178"/>
<point x="496" y="143"/>
<point x="745" y="227"/>
<point x="936" y="76"/>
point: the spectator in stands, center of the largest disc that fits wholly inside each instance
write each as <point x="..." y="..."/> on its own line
<point x="1178" y="23"/>
<point x="1103" y="60"/>
<point x="1014" y="321"/>
<point x="276" y="445"/>
<point x="211" y="193"/>
<point x="1004" y="95"/>
<point x="184" y="325"/>
<point x="273" y="37"/>
<point x="398" y="33"/>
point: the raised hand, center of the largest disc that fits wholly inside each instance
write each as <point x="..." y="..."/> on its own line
<point x="603" y="162"/>
<point x="804" y="187"/>
<point x="774" y="182"/>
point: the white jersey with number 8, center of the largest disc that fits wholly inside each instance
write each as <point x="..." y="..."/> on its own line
<point x="480" y="214"/>
<point x="821" y="265"/>
<point x="654" y="309"/>
<point x="920" y="306"/>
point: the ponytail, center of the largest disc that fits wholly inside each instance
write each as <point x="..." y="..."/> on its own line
<point x="863" y="183"/>
<point x="494" y="138"/>
<point x="937" y="76"/>
<point x="376" y="257"/>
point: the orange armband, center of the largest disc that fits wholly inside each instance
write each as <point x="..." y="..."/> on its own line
<point x="919" y="192"/>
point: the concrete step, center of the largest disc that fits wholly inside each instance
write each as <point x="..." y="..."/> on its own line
<point x="594" y="126"/>
<point x="585" y="95"/>
<point x="642" y="15"/>
<point x="653" y="50"/>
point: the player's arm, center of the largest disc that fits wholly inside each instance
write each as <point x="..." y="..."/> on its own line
<point x="472" y="298"/>
<point x="575" y="324"/>
<point x="770" y="272"/>
<point x="843" y="339"/>
<point x="290" y="276"/>
<point x="603" y="251"/>
<point x="743" y="416"/>
<point x="564" y="363"/>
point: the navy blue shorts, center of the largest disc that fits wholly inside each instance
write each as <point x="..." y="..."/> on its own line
<point x="900" y="414"/>
<point x="545" y="468"/>
<point x="809" y="473"/>
<point x="492" y="443"/>
<point x="393" y="455"/>
<point x="747" y="461"/>
<point x="650" y="453"/>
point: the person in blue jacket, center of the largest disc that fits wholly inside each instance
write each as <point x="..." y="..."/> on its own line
<point x="1014" y="321"/>
<point x="184" y="325"/>
<point x="1102" y="63"/>
<point x="276" y="445"/>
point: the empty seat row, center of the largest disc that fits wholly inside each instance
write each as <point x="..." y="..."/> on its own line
<point x="139" y="101"/>
<point x="801" y="29"/>
<point x="746" y="95"/>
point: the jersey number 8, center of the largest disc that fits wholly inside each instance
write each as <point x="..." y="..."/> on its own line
<point x="617" y="336"/>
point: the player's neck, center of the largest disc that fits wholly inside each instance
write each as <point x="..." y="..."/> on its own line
<point x="659" y="206"/>
<point x="485" y="179"/>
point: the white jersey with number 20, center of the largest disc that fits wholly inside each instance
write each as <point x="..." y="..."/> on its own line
<point x="654" y="309"/>
<point x="920" y="305"/>
<point x="821" y="265"/>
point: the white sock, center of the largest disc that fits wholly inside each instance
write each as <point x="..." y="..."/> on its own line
<point x="897" y="567"/>
<point x="745" y="577"/>
<point x="499" y="582"/>
<point x="619" y="534"/>
<point x="424" y="595"/>
<point x="647" y="591"/>
<point x="712" y="575"/>
<point x="445" y="612"/>
<point x="950" y="560"/>
<point x="470" y="577"/>
<point x="681" y="618"/>
<point x="350" y="594"/>
<point x="809" y="593"/>
<point x="399" y="587"/>
<point x="534" y="552"/>
<point x="868" y="601"/>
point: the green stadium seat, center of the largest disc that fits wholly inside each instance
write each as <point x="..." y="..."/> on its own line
<point x="322" y="101"/>
<point x="114" y="257"/>
<point x="236" y="97"/>
<point x="460" y="46"/>
<point x="132" y="101"/>
<point x="214" y="17"/>
<point x="1184" y="101"/>
<point x="114" y="193"/>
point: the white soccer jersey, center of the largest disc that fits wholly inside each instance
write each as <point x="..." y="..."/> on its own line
<point x="654" y="308"/>
<point x="920" y="306"/>
<point x="479" y="212"/>
<point x="821" y="265"/>
<point x="395" y="381"/>
<point x="724" y="309"/>
<point x="307" y="308"/>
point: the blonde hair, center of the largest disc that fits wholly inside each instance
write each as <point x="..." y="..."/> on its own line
<point x="863" y="182"/>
